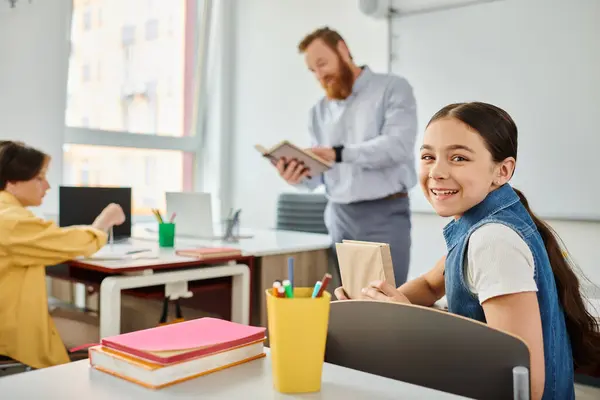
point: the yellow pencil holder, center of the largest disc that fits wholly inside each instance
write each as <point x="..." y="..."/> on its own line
<point x="297" y="335"/>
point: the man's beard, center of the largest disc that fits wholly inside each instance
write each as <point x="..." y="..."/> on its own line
<point x="339" y="86"/>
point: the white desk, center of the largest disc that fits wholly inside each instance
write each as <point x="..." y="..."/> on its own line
<point x="78" y="381"/>
<point x="161" y="266"/>
<point x="269" y="247"/>
<point x="156" y="256"/>
<point x="264" y="242"/>
<point x="175" y="286"/>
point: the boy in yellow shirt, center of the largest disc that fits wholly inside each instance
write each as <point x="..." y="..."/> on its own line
<point x="27" y="245"/>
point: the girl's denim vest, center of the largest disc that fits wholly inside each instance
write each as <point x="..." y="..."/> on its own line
<point x="503" y="206"/>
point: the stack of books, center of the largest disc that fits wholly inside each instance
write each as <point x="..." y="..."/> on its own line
<point x="162" y="356"/>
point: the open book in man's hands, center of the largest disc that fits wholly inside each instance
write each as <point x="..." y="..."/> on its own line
<point x="289" y="151"/>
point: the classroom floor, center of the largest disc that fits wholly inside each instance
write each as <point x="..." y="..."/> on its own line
<point x="583" y="392"/>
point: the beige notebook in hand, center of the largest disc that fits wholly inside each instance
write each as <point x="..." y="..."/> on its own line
<point x="315" y="164"/>
<point x="363" y="262"/>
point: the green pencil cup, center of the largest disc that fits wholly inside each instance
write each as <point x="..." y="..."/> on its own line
<point x="166" y="234"/>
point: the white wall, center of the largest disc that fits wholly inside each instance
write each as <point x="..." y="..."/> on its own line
<point x="580" y="238"/>
<point x="272" y="92"/>
<point x="33" y="79"/>
<point x="537" y="59"/>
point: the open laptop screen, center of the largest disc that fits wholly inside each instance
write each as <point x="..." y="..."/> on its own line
<point x="81" y="205"/>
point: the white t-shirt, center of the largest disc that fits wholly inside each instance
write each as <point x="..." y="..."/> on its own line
<point x="499" y="262"/>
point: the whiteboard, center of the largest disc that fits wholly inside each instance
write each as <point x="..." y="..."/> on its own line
<point x="537" y="59"/>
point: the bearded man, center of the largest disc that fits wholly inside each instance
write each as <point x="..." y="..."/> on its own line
<point x="366" y="124"/>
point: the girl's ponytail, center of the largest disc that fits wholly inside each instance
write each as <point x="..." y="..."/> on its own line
<point x="582" y="327"/>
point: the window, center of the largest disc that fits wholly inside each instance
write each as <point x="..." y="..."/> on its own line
<point x="140" y="115"/>
<point x="169" y="85"/>
<point x="150" y="170"/>
<point x="152" y="29"/>
<point x="144" y="170"/>
<point x="85" y="73"/>
<point x="87" y="19"/>
<point x="133" y="62"/>
<point x="127" y="35"/>
<point x="99" y="70"/>
<point x="151" y="89"/>
<point x="127" y="57"/>
<point x="170" y="29"/>
<point x="84" y="172"/>
<point x="137" y="124"/>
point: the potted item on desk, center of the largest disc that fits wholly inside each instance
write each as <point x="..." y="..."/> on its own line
<point x="166" y="230"/>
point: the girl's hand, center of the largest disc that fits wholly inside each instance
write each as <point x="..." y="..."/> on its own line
<point x="340" y="293"/>
<point x="112" y="215"/>
<point x="383" y="291"/>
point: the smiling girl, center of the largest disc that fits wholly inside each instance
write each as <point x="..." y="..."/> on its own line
<point x="504" y="266"/>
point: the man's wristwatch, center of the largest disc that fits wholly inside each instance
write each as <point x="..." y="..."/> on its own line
<point x="338" y="153"/>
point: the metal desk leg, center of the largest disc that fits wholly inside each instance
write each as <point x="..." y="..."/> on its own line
<point x="240" y="297"/>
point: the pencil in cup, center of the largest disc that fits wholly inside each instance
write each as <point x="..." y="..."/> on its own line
<point x="278" y="290"/>
<point x="297" y="329"/>
<point x="321" y="286"/>
<point x="157" y="215"/>
<point x="291" y="271"/>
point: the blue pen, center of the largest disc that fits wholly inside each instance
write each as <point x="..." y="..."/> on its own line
<point x="316" y="289"/>
<point x="291" y="271"/>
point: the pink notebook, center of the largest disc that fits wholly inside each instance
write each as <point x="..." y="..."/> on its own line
<point x="185" y="340"/>
<point x="209" y="252"/>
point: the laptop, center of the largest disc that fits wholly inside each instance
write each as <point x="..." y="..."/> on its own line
<point x="195" y="218"/>
<point x="194" y="214"/>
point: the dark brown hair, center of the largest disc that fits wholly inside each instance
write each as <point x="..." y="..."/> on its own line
<point x="330" y="37"/>
<point x="499" y="133"/>
<point x="19" y="163"/>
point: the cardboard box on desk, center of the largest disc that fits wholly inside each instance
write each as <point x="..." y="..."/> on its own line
<point x="363" y="262"/>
